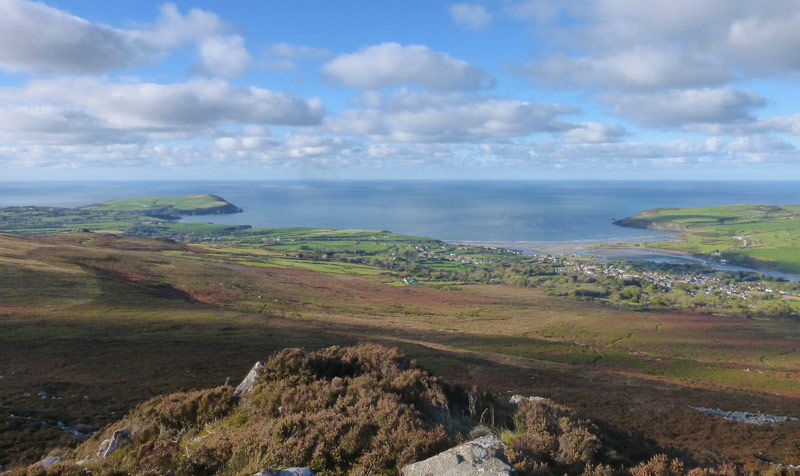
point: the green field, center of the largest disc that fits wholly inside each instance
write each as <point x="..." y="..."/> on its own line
<point x="755" y="235"/>
<point x="195" y="204"/>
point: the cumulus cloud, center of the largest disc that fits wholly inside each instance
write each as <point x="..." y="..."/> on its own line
<point x="428" y="118"/>
<point x="682" y="107"/>
<point x="224" y="56"/>
<point x="593" y="132"/>
<point x="474" y="17"/>
<point x="639" y="67"/>
<point x="681" y="43"/>
<point x="39" y="38"/>
<point x="49" y="109"/>
<point x="391" y="64"/>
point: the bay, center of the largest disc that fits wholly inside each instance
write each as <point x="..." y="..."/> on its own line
<point x="507" y="212"/>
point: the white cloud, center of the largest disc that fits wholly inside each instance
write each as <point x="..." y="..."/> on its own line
<point x="391" y="64"/>
<point x="682" y="43"/>
<point x="427" y="118"/>
<point x="38" y="38"/>
<point x="593" y="132"/>
<point x="688" y="106"/>
<point x="224" y="56"/>
<point x="474" y="17"/>
<point x="48" y="109"/>
<point x="638" y="67"/>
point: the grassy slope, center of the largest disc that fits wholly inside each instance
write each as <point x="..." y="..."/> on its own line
<point x="195" y="204"/>
<point x="154" y="216"/>
<point x="766" y="233"/>
<point x="87" y="318"/>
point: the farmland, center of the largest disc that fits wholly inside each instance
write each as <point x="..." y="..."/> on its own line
<point x="761" y="235"/>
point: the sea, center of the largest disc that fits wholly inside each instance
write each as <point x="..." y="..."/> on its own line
<point x="508" y="212"/>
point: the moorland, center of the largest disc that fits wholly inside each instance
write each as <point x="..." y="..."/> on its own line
<point x="105" y="307"/>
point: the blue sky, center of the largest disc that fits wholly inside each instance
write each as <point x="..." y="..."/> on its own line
<point x="502" y="89"/>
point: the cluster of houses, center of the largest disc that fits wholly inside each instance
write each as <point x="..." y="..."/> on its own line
<point x="697" y="282"/>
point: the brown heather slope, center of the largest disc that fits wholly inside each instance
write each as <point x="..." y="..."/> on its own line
<point x="100" y="324"/>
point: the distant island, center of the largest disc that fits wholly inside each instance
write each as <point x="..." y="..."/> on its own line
<point x="751" y="235"/>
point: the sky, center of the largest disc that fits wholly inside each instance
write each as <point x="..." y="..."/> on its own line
<point x="391" y="89"/>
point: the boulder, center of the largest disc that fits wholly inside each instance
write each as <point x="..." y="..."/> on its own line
<point x="109" y="445"/>
<point x="249" y="381"/>
<point x="483" y="456"/>
<point x="50" y="461"/>
<point x="517" y="399"/>
<point x="285" y="472"/>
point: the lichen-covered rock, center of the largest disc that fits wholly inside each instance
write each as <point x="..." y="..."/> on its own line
<point x="484" y="456"/>
<point x="517" y="399"/>
<point x="285" y="472"/>
<point x="753" y="418"/>
<point x="249" y="381"/>
<point x="110" y="445"/>
<point x="50" y="461"/>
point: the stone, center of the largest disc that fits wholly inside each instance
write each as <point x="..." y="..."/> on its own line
<point x="285" y="472"/>
<point x="249" y="382"/>
<point x="50" y="461"/>
<point x="517" y="399"/>
<point x="484" y="456"/>
<point x="752" y="418"/>
<point x="109" y="445"/>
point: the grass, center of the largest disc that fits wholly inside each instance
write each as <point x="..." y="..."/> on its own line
<point x="767" y="235"/>
<point x="195" y="204"/>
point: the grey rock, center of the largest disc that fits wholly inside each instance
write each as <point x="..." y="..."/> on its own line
<point x="483" y="456"/>
<point x="285" y="472"/>
<point x="517" y="399"/>
<point x="50" y="461"/>
<point x="249" y="382"/>
<point x="744" y="417"/>
<point x="109" y="445"/>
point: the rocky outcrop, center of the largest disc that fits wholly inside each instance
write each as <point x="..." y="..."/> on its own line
<point x="50" y="461"/>
<point x="109" y="445"/>
<point x="248" y="384"/>
<point x="484" y="456"/>
<point x="517" y="399"/>
<point x="285" y="472"/>
<point x="744" y="417"/>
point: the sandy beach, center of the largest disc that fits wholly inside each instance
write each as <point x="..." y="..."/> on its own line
<point x="549" y="248"/>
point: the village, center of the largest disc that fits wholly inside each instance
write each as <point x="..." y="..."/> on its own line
<point x="692" y="283"/>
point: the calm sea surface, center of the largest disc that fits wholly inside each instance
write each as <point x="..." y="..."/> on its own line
<point x="504" y="212"/>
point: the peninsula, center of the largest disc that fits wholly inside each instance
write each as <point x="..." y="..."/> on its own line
<point x="128" y="216"/>
<point x="752" y="235"/>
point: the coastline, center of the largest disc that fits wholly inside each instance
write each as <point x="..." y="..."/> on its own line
<point x="555" y="248"/>
<point x="619" y="250"/>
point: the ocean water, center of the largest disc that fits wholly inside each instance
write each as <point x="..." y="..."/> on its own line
<point x="468" y="211"/>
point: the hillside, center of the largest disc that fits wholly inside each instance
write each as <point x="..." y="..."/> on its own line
<point x="343" y="411"/>
<point x="150" y="216"/>
<point x="184" y="205"/>
<point x="85" y="319"/>
<point x="755" y="235"/>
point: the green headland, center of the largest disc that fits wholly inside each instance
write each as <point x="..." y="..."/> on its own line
<point x="753" y="235"/>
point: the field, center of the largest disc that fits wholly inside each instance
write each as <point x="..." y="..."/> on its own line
<point x="151" y="216"/>
<point x="92" y="324"/>
<point x="763" y="235"/>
